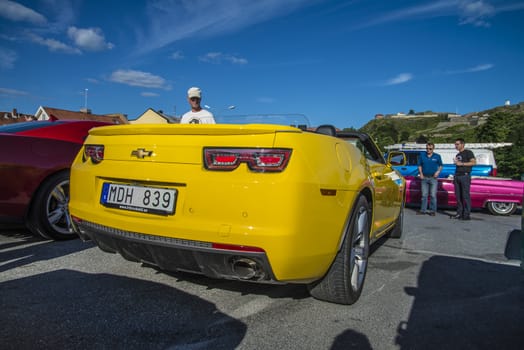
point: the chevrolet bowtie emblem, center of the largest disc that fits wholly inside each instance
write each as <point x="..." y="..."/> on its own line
<point x="141" y="153"/>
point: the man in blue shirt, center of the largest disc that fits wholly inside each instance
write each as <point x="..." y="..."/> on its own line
<point x="429" y="167"/>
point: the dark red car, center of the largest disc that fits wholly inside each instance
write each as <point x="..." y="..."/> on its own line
<point x="35" y="158"/>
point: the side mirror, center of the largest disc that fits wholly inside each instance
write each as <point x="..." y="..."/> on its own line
<point x="396" y="158"/>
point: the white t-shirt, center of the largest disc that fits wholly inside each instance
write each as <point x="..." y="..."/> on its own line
<point x="201" y="117"/>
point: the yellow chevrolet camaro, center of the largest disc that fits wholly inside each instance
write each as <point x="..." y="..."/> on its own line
<point x="254" y="202"/>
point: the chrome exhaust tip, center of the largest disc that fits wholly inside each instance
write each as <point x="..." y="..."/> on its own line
<point x="247" y="269"/>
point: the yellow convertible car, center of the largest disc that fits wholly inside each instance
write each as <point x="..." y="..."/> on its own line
<point x="254" y="202"/>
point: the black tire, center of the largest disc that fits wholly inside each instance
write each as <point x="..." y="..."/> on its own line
<point x="344" y="280"/>
<point x="396" y="231"/>
<point x="49" y="213"/>
<point x="501" y="208"/>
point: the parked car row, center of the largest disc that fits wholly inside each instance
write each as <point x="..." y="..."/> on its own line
<point x="500" y="196"/>
<point x="260" y="203"/>
<point x="486" y="165"/>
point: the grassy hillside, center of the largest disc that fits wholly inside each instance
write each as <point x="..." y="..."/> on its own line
<point x="499" y="124"/>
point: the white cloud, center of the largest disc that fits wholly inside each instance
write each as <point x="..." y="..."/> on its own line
<point x="478" y="68"/>
<point x="236" y="60"/>
<point x="173" y="20"/>
<point x="473" y="12"/>
<point x="149" y="94"/>
<point x="399" y="79"/>
<point x="476" y="13"/>
<point x="19" y="13"/>
<point x="481" y="67"/>
<point x="63" y="14"/>
<point x="177" y="55"/>
<point x="7" y="58"/>
<point x="93" y="80"/>
<point x="421" y="11"/>
<point x="89" y="39"/>
<point x="138" y="78"/>
<point x="12" y="92"/>
<point x="54" y="45"/>
<point x="219" y="57"/>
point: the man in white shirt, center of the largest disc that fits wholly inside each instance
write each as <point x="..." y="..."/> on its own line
<point x="197" y="115"/>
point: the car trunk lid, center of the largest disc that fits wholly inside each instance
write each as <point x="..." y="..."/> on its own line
<point x="176" y="143"/>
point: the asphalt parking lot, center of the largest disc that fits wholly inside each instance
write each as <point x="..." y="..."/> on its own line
<point x="445" y="285"/>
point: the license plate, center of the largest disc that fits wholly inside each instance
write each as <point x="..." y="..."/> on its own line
<point x="143" y="199"/>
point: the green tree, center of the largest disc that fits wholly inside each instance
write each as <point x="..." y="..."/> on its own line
<point x="404" y="136"/>
<point x="496" y="128"/>
<point x="383" y="142"/>
<point x="503" y="126"/>
<point x="421" y="139"/>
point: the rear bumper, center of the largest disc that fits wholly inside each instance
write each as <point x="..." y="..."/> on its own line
<point x="172" y="254"/>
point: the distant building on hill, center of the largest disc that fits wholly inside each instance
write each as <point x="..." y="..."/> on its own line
<point x="442" y="146"/>
<point x="411" y="116"/>
<point x="150" y="116"/>
<point x="14" y="117"/>
<point x="47" y="113"/>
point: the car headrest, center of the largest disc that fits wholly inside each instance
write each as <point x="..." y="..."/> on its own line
<point x="326" y="130"/>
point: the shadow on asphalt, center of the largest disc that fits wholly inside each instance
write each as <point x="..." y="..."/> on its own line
<point x="351" y="339"/>
<point x="21" y="240"/>
<point x="458" y="304"/>
<point x="67" y="309"/>
<point x="514" y="246"/>
<point x="465" y="304"/>
<point x="32" y="249"/>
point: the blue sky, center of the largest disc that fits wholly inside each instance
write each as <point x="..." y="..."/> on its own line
<point x="337" y="62"/>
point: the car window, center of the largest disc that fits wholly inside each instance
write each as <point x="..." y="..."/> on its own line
<point x="412" y="158"/>
<point x="482" y="158"/>
<point x="366" y="151"/>
<point x="365" y="145"/>
<point x="396" y="159"/>
<point x="358" y="144"/>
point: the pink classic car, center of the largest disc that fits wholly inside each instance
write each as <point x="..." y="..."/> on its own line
<point x="500" y="196"/>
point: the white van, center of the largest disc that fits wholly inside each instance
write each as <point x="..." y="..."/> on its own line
<point x="482" y="151"/>
<point x="486" y="165"/>
<point x="482" y="156"/>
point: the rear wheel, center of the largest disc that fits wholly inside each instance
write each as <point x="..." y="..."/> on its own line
<point x="502" y="208"/>
<point x="49" y="214"/>
<point x="344" y="280"/>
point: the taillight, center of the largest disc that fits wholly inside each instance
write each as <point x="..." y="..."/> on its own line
<point x="494" y="172"/>
<point x="94" y="152"/>
<point x="257" y="159"/>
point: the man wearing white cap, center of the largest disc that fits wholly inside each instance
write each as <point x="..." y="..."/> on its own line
<point x="197" y="115"/>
